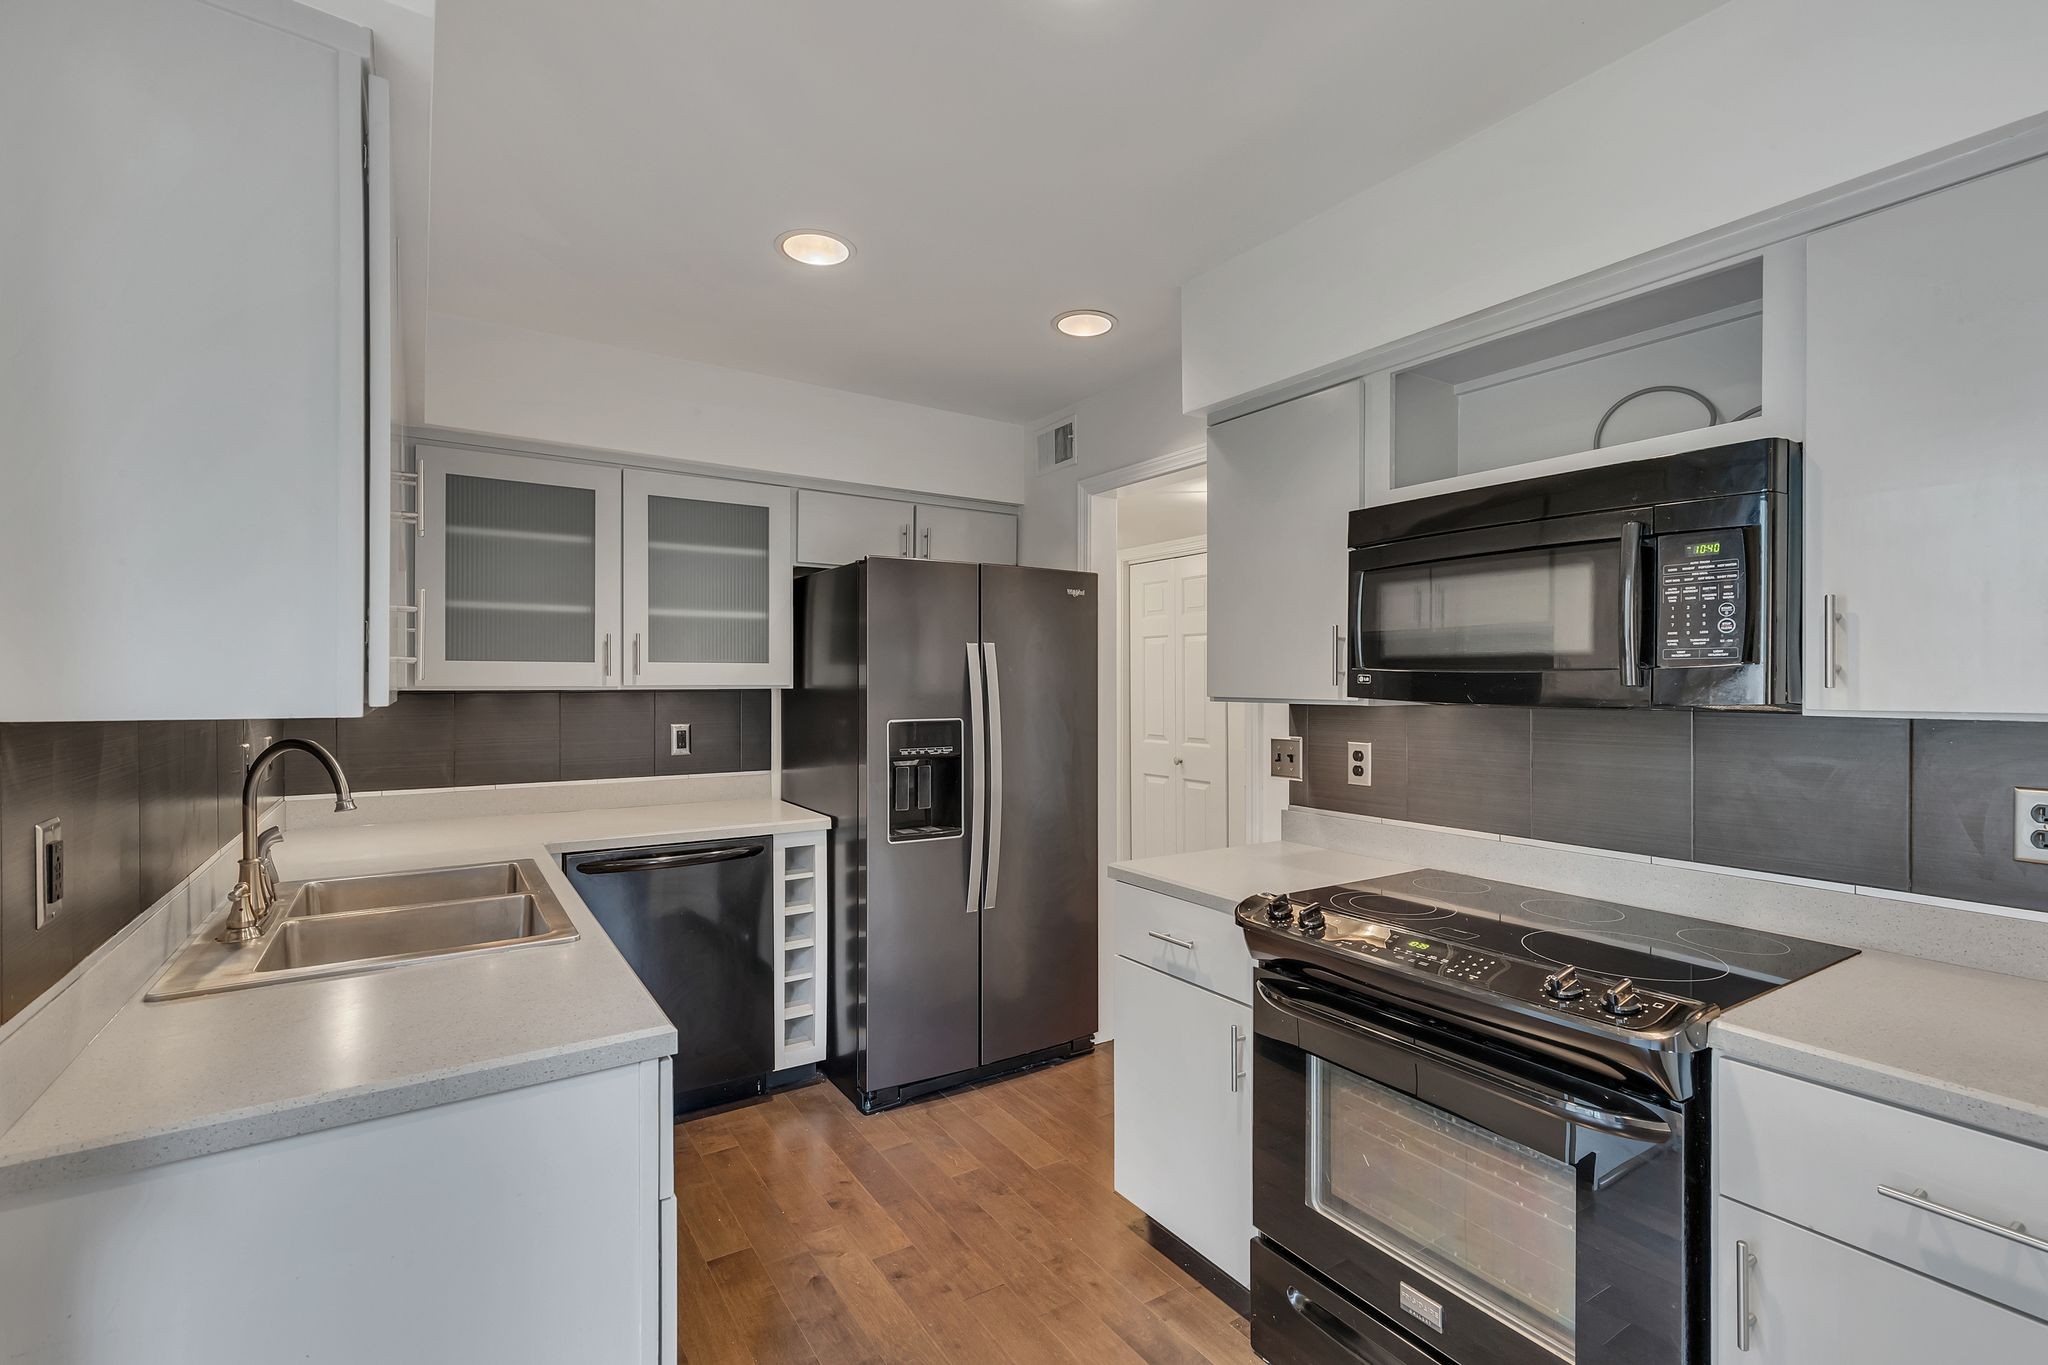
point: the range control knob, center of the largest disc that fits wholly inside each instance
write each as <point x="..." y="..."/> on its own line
<point x="1310" y="920"/>
<point x="1621" y="999"/>
<point x="1564" y="984"/>
<point x="1279" y="910"/>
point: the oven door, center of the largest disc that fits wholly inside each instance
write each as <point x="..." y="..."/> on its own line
<point x="1542" y="611"/>
<point x="1483" y="1203"/>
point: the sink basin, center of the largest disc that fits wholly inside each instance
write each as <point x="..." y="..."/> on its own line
<point x="342" y="925"/>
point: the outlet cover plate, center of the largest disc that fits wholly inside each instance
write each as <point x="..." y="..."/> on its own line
<point x="1358" y="763"/>
<point x="49" y="871"/>
<point x="678" y="739"/>
<point x="2029" y="833"/>
<point x="1287" y="759"/>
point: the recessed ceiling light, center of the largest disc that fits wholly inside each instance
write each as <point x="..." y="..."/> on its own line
<point x="1084" y="322"/>
<point x="808" y="246"/>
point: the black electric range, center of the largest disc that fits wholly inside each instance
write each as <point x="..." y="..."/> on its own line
<point x="1479" y="1115"/>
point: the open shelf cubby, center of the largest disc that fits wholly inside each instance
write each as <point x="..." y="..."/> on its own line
<point x="800" y="929"/>
<point x="1540" y="393"/>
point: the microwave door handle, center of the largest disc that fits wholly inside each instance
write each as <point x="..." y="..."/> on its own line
<point x="1631" y="604"/>
<point x="1557" y="1103"/>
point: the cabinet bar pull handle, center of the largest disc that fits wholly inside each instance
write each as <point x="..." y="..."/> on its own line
<point x="1831" y="621"/>
<point x="927" y="542"/>
<point x="419" y="496"/>
<point x="607" y="654"/>
<point x="1236" y="1059"/>
<point x="2011" y="1232"/>
<point x="1337" y="654"/>
<point x="636" y="653"/>
<point x="903" y="539"/>
<point x="419" y="638"/>
<point x="1745" y="1261"/>
<point x="1170" y="939"/>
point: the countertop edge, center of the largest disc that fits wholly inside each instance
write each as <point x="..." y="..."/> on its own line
<point x="1178" y="890"/>
<point x="1999" y="1115"/>
<point x="138" y="1151"/>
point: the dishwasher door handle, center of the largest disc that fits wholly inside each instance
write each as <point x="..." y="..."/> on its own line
<point x="695" y="858"/>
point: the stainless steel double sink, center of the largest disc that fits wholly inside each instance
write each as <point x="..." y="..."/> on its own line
<point x="343" y="925"/>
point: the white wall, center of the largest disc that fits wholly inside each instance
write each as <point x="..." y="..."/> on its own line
<point x="1752" y="106"/>
<point x="508" y="381"/>
<point x="1137" y="420"/>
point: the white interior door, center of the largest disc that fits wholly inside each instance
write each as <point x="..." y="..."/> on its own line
<point x="1180" y="779"/>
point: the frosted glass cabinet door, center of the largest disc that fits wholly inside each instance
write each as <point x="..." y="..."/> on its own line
<point x="519" y="561"/>
<point x="707" y="582"/>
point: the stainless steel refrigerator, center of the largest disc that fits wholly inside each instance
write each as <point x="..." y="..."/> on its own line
<point x="944" y="717"/>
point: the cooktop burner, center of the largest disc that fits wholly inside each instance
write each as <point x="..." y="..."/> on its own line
<point x="1567" y="953"/>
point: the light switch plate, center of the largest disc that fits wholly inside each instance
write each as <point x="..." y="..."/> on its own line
<point x="2030" y="824"/>
<point x="1287" y="759"/>
<point x="678" y="739"/>
<point x="1358" y="763"/>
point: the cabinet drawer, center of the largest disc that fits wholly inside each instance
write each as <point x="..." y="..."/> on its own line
<point x="1182" y="939"/>
<point x="1817" y="1302"/>
<point x="1819" y="1157"/>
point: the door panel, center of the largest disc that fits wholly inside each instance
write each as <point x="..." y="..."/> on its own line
<point x="922" y="946"/>
<point x="1038" y="932"/>
<point x="838" y="528"/>
<point x="1282" y="483"/>
<point x="1816" y="1300"/>
<point x="519" y="561"/>
<point x="1184" y="1112"/>
<point x="1178" y="755"/>
<point x="959" y="533"/>
<point x="707" y="582"/>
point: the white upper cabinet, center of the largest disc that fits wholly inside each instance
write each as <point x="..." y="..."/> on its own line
<point x="519" y="571"/>
<point x="961" y="533"/>
<point x="186" y="319"/>
<point x="1282" y="484"/>
<point x="1927" y="454"/>
<point x="838" y="528"/>
<point x="707" y="582"/>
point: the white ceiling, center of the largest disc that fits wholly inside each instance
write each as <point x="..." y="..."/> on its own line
<point x="618" y="170"/>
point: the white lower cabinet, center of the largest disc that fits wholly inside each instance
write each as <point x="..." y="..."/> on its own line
<point x="1815" y="1301"/>
<point x="1846" y="1229"/>
<point x="1184" y="1108"/>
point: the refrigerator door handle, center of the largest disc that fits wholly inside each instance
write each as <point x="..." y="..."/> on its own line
<point x="978" y="783"/>
<point x="994" y="802"/>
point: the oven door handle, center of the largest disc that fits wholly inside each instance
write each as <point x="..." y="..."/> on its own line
<point x="1557" y="1103"/>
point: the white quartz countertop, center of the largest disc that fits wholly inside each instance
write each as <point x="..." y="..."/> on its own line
<point x="173" y="1079"/>
<point x="1221" y="877"/>
<point x="1954" y="1042"/>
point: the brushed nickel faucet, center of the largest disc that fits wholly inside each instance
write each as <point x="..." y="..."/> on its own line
<point x="251" y="901"/>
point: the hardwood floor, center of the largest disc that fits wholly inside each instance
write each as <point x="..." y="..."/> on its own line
<point x="978" y="1226"/>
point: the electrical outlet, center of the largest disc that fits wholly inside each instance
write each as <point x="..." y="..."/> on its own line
<point x="49" y="871"/>
<point x="1358" y="763"/>
<point x="1287" y="759"/>
<point x="2030" y="824"/>
<point x="678" y="740"/>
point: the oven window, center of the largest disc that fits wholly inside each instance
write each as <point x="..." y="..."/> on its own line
<point x="1545" y="609"/>
<point x="1490" y="1219"/>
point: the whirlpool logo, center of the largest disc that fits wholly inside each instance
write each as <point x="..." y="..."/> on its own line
<point x="1077" y="592"/>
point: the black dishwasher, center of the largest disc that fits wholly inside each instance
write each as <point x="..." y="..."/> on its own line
<point x="695" y="921"/>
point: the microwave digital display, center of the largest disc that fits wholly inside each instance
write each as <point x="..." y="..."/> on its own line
<point x="1702" y="602"/>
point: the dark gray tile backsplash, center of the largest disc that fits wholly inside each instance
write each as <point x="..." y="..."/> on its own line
<point x="1923" y="805"/>
<point x="1468" y="767"/>
<point x="1618" y="780"/>
<point x="144" y="803"/>
<point x="1964" y="772"/>
<point x="1807" y="796"/>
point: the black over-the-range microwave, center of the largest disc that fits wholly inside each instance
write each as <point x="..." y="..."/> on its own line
<point x="1664" y="582"/>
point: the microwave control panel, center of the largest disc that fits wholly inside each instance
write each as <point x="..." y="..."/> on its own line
<point x="1702" y="599"/>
